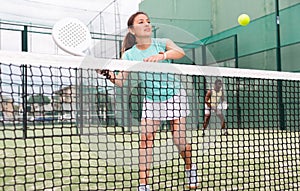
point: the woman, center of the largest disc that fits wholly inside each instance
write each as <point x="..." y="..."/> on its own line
<point x="213" y="98"/>
<point x="164" y="94"/>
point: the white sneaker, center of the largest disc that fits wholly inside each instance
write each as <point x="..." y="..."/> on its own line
<point x="191" y="177"/>
<point x="144" y="188"/>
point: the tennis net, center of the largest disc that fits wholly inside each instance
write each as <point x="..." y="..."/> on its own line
<point x="66" y="127"/>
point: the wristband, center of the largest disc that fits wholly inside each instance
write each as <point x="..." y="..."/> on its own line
<point x="164" y="55"/>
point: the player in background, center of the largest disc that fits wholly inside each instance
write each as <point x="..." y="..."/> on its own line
<point x="213" y="103"/>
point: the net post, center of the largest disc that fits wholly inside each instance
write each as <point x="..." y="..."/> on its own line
<point x="107" y="119"/>
<point x="236" y="55"/>
<point x="194" y="56"/>
<point x="281" y="106"/>
<point x="120" y="48"/>
<point x="80" y="102"/>
<point x="204" y="59"/>
<point x="25" y="39"/>
<point x="236" y="51"/>
<point x="195" y="100"/>
<point x="24" y="99"/>
<point x="76" y="100"/>
<point x="129" y="114"/>
<point x="278" y="64"/>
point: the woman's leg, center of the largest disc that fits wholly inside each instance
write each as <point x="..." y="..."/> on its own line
<point x="221" y="117"/>
<point x="149" y="128"/>
<point x="179" y="139"/>
<point x="185" y="149"/>
<point x="206" y="117"/>
<point x="223" y="124"/>
<point x="206" y="121"/>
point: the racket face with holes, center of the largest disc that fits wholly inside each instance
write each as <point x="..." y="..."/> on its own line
<point x="72" y="36"/>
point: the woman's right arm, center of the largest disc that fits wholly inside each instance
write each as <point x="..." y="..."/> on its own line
<point x="207" y="98"/>
<point x="117" y="79"/>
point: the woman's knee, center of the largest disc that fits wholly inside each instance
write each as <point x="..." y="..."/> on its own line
<point x="147" y="140"/>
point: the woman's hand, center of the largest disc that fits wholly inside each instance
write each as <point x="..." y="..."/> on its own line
<point x="156" y="58"/>
<point x="106" y="73"/>
<point x="208" y="104"/>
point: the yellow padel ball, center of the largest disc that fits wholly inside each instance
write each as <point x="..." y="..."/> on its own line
<point x="244" y="19"/>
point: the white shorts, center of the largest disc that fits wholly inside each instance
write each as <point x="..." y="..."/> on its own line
<point x="208" y="110"/>
<point x="173" y="108"/>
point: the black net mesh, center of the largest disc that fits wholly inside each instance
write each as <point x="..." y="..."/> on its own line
<point x="68" y="128"/>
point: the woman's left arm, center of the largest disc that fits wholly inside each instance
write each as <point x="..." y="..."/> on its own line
<point x="173" y="51"/>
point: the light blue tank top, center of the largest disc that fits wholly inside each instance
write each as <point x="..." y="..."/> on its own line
<point x="158" y="86"/>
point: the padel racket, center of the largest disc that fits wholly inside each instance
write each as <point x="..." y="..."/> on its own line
<point x="72" y="36"/>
